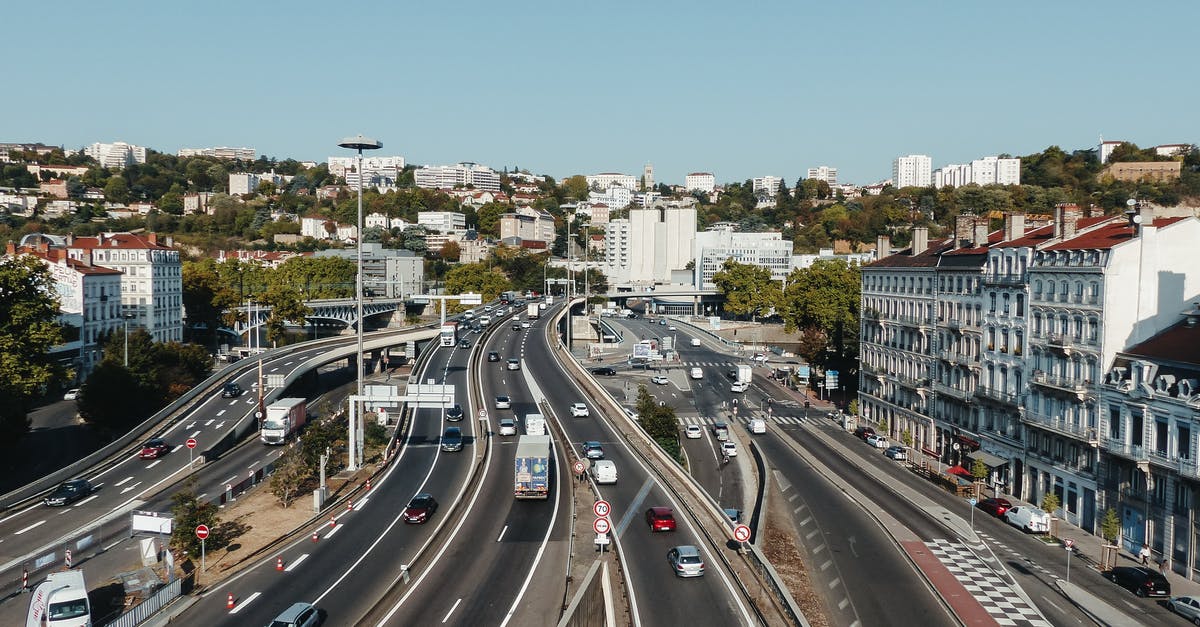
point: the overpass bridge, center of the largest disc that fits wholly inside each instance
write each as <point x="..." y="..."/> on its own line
<point x="333" y="310"/>
<point x="664" y="299"/>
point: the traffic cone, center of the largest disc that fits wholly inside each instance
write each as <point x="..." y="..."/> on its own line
<point x="332" y="522"/>
<point x="314" y="536"/>
<point x="279" y="563"/>
<point x="229" y="602"/>
<point x="368" y="484"/>
<point x="350" y="505"/>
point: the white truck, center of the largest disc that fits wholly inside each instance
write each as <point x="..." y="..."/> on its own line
<point x="535" y="424"/>
<point x="531" y="476"/>
<point x="61" y="601"/>
<point x="531" y="311"/>
<point x="284" y="417"/>
<point x="743" y="374"/>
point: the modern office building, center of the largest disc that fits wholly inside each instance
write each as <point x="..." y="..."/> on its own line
<point x="714" y="247"/>
<point x="912" y="171"/>
<point x="700" y="182"/>
<point x="528" y="224"/>
<point x="387" y="272"/>
<point x="442" y="221"/>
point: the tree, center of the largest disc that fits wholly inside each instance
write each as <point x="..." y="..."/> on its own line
<point x="287" y="305"/>
<point x="1110" y="526"/>
<point x="576" y="187"/>
<point x="205" y="296"/>
<point x="479" y="278"/>
<point x="451" y="251"/>
<point x="825" y="296"/>
<point x="116" y="190"/>
<point x="111" y="400"/>
<point x="1050" y="502"/>
<point x="28" y="329"/>
<point x="979" y="470"/>
<point x="189" y="511"/>
<point x="748" y="289"/>
<point x="291" y="472"/>
<point x="907" y="438"/>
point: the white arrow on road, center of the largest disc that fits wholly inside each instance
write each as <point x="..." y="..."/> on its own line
<point x="132" y="487"/>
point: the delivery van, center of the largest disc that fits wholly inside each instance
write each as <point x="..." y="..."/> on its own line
<point x="604" y="471"/>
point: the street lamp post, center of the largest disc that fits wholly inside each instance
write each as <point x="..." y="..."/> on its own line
<point x="125" y="318"/>
<point x="360" y="144"/>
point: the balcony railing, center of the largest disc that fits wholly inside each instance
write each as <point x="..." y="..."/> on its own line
<point x="962" y="395"/>
<point x="1005" y="279"/>
<point x="1061" y="384"/>
<point x="1004" y="398"/>
<point x="1141" y="453"/>
<point x="913" y="321"/>
<point x="1062" y="425"/>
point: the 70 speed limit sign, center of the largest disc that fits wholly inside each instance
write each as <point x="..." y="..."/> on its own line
<point x="601" y="509"/>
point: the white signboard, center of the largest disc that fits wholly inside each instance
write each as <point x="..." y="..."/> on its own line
<point x="151" y="522"/>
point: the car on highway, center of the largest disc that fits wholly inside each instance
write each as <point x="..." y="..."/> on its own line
<point x="878" y="441"/>
<point x="604" y="471"/>
<point x="593" y="450"/>
<point x="420" y="508"/>
<point x="231" y="390"/>
<point x="503" y="402"/>
<point x="662" y="323"/>
<point x="632" y="414"/>
<point x="452" y="440"/>
<point x="659" y="379"/>
<point x="541" y="306"/>
<point x="696" y="373"/>
<point x="729" y="448"/>
<point x="579" y="410"/>
<point x="513" y="364"/>
<point x="1028" y="518"/>
<point x="72" y="394"/>
<point x="516" y="326"/>
<point x="686" y="561"/>
<point x="739" y="386"/>
<point x="154" y="448"/>
<point x="605" y="371"/>
<point x="68" y="492"/>
<point x="508" y="426"/>
<point x="660" y="519"/>
<point x="298" y="615"/>
<point x="672" y="328"/>
<point x="1139" y="580"/>
<point x="454" y="412"/>
<point x="897" y="453"/>
<point x="525" y="324"/>
<point x="493" y="356"/>
<point x="693" y="432"/>
<point x="757" y="425"/>
<point x="720" y="431"/>
<point x="464" y="343"/>
<point x="1187" y="607"/>
<point x="994" y="506"/>
<point x="695" y="341"/>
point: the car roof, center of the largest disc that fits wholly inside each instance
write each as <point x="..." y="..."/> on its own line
<point x="450" y="430"/>
<point x="591" y="443"/>
<point x="510" y="420"/>
<point x="293" y="612"/>
<point x="687" y="549"/>
<point x="691" y="427"/>
<point x="661" y="511"/>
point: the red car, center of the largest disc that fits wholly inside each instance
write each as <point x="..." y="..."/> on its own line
<point x="660" y="519"/>
<point x="420" y="509"/>
<point x="995" y="507"/>
<point x="154" y="448"/>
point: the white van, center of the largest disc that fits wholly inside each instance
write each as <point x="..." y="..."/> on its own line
<point x="695" y="341"/>
<point x="758" y="425"/>
<point x="1030" y="519"/>
<point x="535" y="424"/>
<point x="696" y="373"/>
<point x="604" y="471"/>
<point x="62" y="600"/>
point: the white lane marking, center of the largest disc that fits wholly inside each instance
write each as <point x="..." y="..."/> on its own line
<point x="220" y="424"/>
<point x="210" y="421"/>
<point x="237" y="608"/>
<point x="806" y="520"/>
<point x="833" y="584"/>
<point x="827" y="564"/>
<point x="819" y="548"/>
<point x="334" y="530"/>
<point x="843" y="603"/>
<point x="123" y="481"/>
<point x="194" y="434"/>
<point x="218" y="414"/>
<point x="295" y="563"/>
<point x="154" y="463"/>
<point x="132" y="487"/>
<point x="33" y="526"/>
<point x="452" y="610"/>
<point x="177" y="447"/>
<point x="362" y="503"/>
<point x="501" y="537"/>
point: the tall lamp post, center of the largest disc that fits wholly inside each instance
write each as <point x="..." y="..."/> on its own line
<point x="360" y="144"/>
<point x="125" y="318"/>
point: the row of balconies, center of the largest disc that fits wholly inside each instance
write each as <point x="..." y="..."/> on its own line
<point x="1004" y="398"/>
<point x="1070" y="385"/>
<point x="1140" y="453"/>
<point x="1061" y="425"/>
<point x="1090" y="299"/>
<point x="953" y="392"/>
<point x="1005" y="279"/>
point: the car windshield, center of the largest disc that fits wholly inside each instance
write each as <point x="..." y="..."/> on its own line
<point x="74" y="608"/>
<point x="689" y="559"/>
<point x="419" y="503"/>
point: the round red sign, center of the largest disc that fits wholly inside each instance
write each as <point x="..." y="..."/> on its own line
<point x="191" y="442"/>
<point x="741" y="533"/>
<point x="601" y="525"/>
<point x="202" y="531"/>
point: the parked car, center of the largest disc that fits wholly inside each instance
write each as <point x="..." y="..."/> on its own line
<point x="452" y="440"/>
<point x="231" y="390"/>
<point x="420" y="508"/>
<point x="68" y="492"/>
<point x="73" y="394"/>
<point x="593" y="450"/>
<point x="660" y="519"/>
<point x="897" y="453"/>
<point x="878" y="441"/>
<point x="493" y="356"/>
<point x="503" y="402"/>
<point x="996" y="507"/>
<point x="1187" y="607"/>
<point x="729" y="448"/>
<point x="579" y="410"/>
<point x="508" y="426"/>
<point x="1139" y="580"/>
<point x="514" y="364"/>
<point x="454" y="412"/>
<point x="862" y="432"/>
<point x="298" y="615"/>
<point x="605" y="371"/>
<point x="659" y="379"/>
<point x="1030" y="519"/>
<point x="693" y="432"/>
<point x="686" y="561"/>
<point x="154" y="448"/>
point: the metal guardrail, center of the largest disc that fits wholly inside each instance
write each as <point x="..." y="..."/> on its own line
<point x="142" y="612"/>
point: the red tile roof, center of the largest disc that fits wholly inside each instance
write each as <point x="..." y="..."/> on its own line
<point x="1107" y="236"/>
<point x="74" y="264"/>
<point x="116" y="240"/>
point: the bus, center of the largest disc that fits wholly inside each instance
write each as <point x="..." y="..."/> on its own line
<point x="449" y="334"/>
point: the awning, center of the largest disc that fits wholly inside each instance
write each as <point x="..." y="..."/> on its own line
<point x="960" y="471"/>
<point x="989" y="460"/>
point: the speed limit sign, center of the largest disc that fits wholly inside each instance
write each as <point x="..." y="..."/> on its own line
<point x="601" y="509"/>
<point x="601" y="525"/>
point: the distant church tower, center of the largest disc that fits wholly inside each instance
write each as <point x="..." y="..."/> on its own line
<point x="648" y="177"/>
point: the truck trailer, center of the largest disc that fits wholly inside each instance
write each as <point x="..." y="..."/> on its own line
<point x="531" y="311"/>
<point x="532" y="471"/>
<point x="284" y="417"/>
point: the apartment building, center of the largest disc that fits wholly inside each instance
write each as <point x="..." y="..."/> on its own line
<point x="985" y="171"/>
<point x="823" y="173"/>
<point x="220" y="152"/>
<point x="247" y="182"/>
<point x="387" y="272"/>
<point x="912" y="171"/>
<point x="617" y="250"/>
<point x="151" y="278"/>
<point x="382" y="221"/>
<point x="528" y="224"/>
<point x="606" y="180"/>
<point x="700" y="182"/>
<point x="442" y="221"/>
<point x="465" y="174"/>
<point x="616" y="196"/>
<point x="116" y="155"/>
<point x="713" y="247"/>
<point x="768" y="185"/>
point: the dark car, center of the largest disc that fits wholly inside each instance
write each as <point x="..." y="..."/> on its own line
<point x="516" y="327"/>
<point x="464" y="343"/>
<point x="995" y="507"/>
<point x="154" y="448"/>
<point x="231" y="390"/>
<point x="493" y="356"/>
<point x="862" y="433"/>
<point x="454" y="412"/>
<point x="660" y="519"/>
<point x="605" y="371"/>
<point x="452" y="440"/>
<point x="68" y="492"/>
<point x="1143" y="582"/>
<point x="420" y="508"/>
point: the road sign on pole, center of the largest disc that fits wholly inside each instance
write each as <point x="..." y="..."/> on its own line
<point x="578" y="467"/>
<point x="191" y="442"/>
<point x="601" y="526"/>
<point x="202" y="531"/>
<point x="482" y="414"/>
<point x="601" y="509"/>
<point x="741" y="533"/>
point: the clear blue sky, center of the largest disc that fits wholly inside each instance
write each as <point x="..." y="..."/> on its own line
<point x="739" y="89"/>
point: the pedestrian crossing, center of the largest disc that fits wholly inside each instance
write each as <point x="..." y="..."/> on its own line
<point x="708" y="364"/>
<point x="707" y="421"/>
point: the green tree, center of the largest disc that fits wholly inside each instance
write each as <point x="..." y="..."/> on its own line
<point x="1110" y="526"/>
<point x="825" y="296"/>
<point x="111" y="400"/>
<point x="748" y="288"/>
<point x="28" y="329"/>
<point x="489" y="218"/>
<point x="479" y="278"/>
<point x="1050" y="502"/>
<point x="189" y="511"/>
<point x="116" y="190"/>
<point x="287" y="305"/>
<point x="979" y="470"/>
<point x="576" y="187"/>
<point x="291" y="472"/>
<point x="907" y="438"/>
<point x="205" y="297"/>
<point x="451" y="251"/>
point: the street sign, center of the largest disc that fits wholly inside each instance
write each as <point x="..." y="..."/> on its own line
<point x="741" y="533"/>
<point x="1068" y="544"/>
<point x="601" y="526"/>
<point x="482" y="414"/>
<point x="831" y="378"/>
<point x="578" y="467"/>
<point x="202" y="531"/>
<point x="601" y="509"/>
<point x="972" y="501"/>
<point x="191" y="442"/>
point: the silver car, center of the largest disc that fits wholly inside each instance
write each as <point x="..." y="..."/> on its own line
<point x="503" y="402"/>
<point x="1187" y="607"/>
<point x="686" y="561"/>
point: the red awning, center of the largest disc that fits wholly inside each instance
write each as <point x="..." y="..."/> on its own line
<point x="960" y="471"/>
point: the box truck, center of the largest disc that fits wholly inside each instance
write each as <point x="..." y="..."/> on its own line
<point x="284" y="417"/>
<point x="743" y="374"/>
<point x="531" y="311"/>
<point x="449" y="334"/>
<point x="532" y="471"/>
<point x="61" y="601"/>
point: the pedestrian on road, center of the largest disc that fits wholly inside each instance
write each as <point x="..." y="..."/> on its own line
<point x="1144" y="553"/>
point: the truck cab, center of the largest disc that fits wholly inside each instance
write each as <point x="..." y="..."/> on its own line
<point x="62" y="601"/>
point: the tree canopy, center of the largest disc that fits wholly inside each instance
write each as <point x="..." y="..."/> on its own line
<point x="748" y="288"/>
<point x="28" y="330"/>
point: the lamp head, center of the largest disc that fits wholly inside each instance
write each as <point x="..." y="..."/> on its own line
<point x="358" y="142"/>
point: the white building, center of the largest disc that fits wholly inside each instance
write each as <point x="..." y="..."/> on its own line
<point x="985" y="171"/>
<point x="648" y="176"/>
<point x="116" y="155"/>
<point x="823" y="173"/>
<point x="700" y="182"/>
<point x="912" y="171"/>
<point x="1106" y="149"/>
<point x="248" y="182"/>
<point x="608" y="179"/>
<point x="387" y="273"/>
<point x="661" y="241"/>
<point x="220" y="152"/>
<point x="767" y="250"/>
<point x="617" y="247"/>
<point x="442" y="221"/>
<point x="151" y="278"/>
<point x="458" y="175"/>
<point x="318" y="227"/>
<point x="615" y="196"/>
<point x="767" y="184"/>
<point x="379" y="220"/>
<point x="528" y="224"/>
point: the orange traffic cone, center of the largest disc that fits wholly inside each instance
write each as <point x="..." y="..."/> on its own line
<point x="332" y="522"/>
<point x="229" y="602"/>
<point x="368" y="484"/>
<point x="279" y="563"/>
<point x="349" y="506"/>
<point x="314" y="536"/>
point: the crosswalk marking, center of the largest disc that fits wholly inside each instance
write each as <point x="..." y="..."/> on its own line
<point x="711" y="420"/>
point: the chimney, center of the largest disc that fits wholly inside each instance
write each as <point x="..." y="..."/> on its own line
<point x="883" y="247"/>
<point x="1147" y="213"/>
<point x="100" y="239"/>
<point x="1014" y="226"/>
<point x="1066" y="218"/>
<point x="170" y="241"/>
<point x="10" y="248"/>
<point x="981" y="233"/>
<point x="963" y="226"/>
<point x="920" y="239"/>
<point x="70" y="239"/>
<point x="153" y="237"/>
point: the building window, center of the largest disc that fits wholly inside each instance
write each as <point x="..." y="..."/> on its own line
<point x="992" y="299"/>
<point x="1183" y="442"/>
<point x="1160" y="437"/>
<point x="1135" y="429"/>
<point x="1114" y="422"/>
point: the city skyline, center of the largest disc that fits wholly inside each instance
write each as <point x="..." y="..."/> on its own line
<point x="564" y="90"/>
